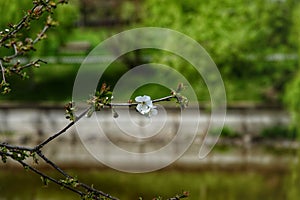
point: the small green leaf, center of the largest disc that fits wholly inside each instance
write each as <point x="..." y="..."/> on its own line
<point x="70" y="109"/>
<point x="45" y="181"/>
<point x="34" y="157"/>
<point x="3" y="151"/>
<point x="26" y="168"/>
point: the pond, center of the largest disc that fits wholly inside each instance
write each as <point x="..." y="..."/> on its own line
<point x="246" y="184"/>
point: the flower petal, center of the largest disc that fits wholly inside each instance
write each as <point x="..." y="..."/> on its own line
<point x="143" y="109"/>
<point x="153" y="111"/>
<point x="149" y="103"/>
<point x="146" y="98"/>
<point x="139" y="99"/>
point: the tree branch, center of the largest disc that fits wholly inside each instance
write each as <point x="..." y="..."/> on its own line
<point x="26" y="166"/>
<point x="11" y="147"/>
<point x="39" y="146"/>
<point x="41" y="34"/>
<point x="10" y="38"/>
<point x="167" y="98"/>
<point x="90" y="189"/>
<point x="64" y="183"/>
<point x="19" y="26"/>
<point x="2" y="71"/>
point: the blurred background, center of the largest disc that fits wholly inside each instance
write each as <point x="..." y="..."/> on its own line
<point x="256" y="47"/>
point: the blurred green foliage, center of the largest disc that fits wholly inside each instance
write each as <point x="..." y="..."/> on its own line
<point x="253" y="44"/>
<point x="232" y="31"/>
<point x="292" y="100"/>
<point x="250" y="41"/>
<point x="279" y="132"/>
<point x="292" y="89"/>
<point x="228" y="132"/>
<point x="242" y="37"/>
<point x="43" y="84"/>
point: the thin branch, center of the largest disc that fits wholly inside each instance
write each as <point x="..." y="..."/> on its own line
<point x="39" y="146"/>
<point x="2" y="71"/>
<point x="167" y="98"/>
<point x="40" y="35"/>
<point x="19" y="26"/>
<point x="11" y="147"/>
<point x="68" y="176"/>
<point x="121" y="104"/>
<point x="98" y="192"/>
<point x="32" y="63"/>
<point x="41" y="155"/>
<point x="25" y="165"/>
<point x="52" y="164"/>
<point x="15" y="50"/>
<point x="16" y="53"/>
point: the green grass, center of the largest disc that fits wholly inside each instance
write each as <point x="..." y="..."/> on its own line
<point x="214" y="185"/>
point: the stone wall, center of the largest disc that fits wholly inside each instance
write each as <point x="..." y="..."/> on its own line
<point x="30" y="125"/>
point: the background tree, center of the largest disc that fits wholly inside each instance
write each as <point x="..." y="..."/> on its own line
<point x="292" y="89"/>
<point x="248" y="40"/>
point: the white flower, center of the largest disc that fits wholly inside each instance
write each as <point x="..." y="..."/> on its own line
<point x="145" y="106"/>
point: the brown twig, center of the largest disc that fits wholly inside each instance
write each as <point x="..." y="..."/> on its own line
<point x="19" y="26"/>
<point x="2" y="71"/>
<point x="167" y="98"/>
<point x="41" y="34"/>
<point x="39" y="146"/>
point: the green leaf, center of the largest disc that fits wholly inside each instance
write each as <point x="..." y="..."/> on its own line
<point x="45" y="181"/>
<point x="3" y="151"/>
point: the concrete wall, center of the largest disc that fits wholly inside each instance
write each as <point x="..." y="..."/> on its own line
<point x="30" y="125"/>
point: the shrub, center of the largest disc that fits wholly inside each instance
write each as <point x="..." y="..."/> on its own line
<point x="279" y="132"/>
